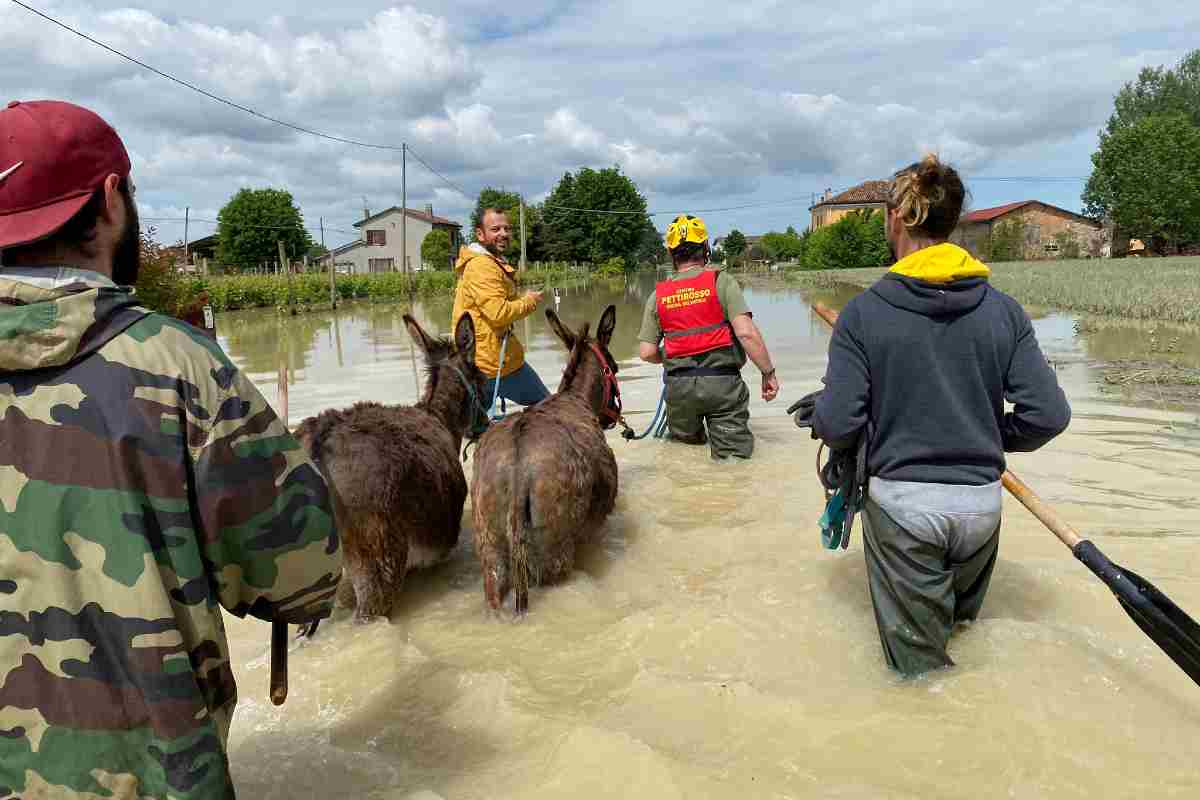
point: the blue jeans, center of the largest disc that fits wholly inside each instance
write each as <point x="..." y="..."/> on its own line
<point x="523" y="387"/>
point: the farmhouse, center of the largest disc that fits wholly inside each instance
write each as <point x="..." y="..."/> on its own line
<point x="1046" y="231"/>
<point x="871" y="195"/>
<point x="378" y="249"/>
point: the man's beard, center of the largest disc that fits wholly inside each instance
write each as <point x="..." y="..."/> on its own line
<point x="495" y="249"/>
<point x="128" y="254"/>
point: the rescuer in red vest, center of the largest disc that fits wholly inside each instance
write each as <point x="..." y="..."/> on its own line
<point x="707" y="331"/>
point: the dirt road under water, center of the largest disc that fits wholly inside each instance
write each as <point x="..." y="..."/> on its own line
<point x="710" y="647"/>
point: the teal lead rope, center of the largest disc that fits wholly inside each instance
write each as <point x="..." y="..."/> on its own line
<point x="496" y="390"/>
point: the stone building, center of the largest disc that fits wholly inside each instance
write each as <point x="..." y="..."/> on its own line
<point x="1046" y="231"/>
<point x="871" y="195"/>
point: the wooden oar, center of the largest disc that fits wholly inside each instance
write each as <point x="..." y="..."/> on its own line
<point x="279" y="632"/>
<point x="1159" y="618"/>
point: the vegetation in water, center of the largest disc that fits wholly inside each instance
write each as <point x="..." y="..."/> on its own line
<point x="234" y="292"/>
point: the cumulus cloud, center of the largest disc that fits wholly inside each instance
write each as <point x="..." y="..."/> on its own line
<point x="758" y="98"/>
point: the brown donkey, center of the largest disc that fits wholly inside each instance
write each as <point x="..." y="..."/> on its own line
<point x="394" y="472"/>
<point x="546" y="479"/>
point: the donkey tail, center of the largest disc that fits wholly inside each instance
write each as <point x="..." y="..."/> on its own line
<point x="519" y="544"/>
<point x="519" y="522"/>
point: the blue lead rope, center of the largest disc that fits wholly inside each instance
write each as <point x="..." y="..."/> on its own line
<point x="658" y="425"/>
<point x="496" y="391"/>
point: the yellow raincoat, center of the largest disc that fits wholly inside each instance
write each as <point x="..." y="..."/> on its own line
<point x="488" y="292"/>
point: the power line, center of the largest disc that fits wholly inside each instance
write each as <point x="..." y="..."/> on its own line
<point x="204" y="92"/>
<point x="242" y="224"/>
<point x="448" y="182"/>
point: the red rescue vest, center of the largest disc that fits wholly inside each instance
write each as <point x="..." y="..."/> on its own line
<point x="691" y="316"/>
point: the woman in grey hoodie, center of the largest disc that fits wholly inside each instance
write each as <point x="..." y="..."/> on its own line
<point x="926" y="358"/>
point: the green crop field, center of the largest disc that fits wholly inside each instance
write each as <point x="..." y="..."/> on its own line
<point x="1130" y="288"/>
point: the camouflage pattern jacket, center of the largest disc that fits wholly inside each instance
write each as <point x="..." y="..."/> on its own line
<point x="144" y="484"/>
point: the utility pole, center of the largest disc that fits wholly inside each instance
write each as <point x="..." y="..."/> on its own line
<point x="404" y="208"/>
<point x="522" y="234"/>
<point x="186" y="214"/>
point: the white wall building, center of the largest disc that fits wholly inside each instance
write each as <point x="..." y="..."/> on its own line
<point x="378" y="248"/>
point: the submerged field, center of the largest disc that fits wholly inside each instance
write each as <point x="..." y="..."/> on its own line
<point x="1130" y="288"/>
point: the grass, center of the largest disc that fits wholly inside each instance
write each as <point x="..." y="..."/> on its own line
<point x="234" y="292"/>
<point x="1129" y="288"/>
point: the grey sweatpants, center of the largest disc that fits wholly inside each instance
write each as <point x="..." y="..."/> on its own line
<point x="930" y="550"/>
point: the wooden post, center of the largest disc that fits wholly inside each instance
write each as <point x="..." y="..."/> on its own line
<point x="522" y="234"/>
<point x="279" y="629"/>
<point x="283" y="262"/>
<point x="332" y="277"/>
<point x="186" y="213"/>
<point x="404" y="208"/>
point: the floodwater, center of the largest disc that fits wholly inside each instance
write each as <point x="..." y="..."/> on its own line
<point x="710" y="648"/>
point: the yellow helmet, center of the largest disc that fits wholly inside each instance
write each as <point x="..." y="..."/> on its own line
<point x="686" y="228"/>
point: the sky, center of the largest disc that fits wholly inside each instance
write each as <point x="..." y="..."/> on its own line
<point x="705" y="105"/>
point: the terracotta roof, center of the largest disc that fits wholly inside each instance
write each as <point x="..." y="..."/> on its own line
<point x="989" y="214"/>
<point x="863" y="194"/>
<point x="412" y="213"/>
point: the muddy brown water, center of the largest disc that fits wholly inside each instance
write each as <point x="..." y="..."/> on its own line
<point x="710" y="647"/>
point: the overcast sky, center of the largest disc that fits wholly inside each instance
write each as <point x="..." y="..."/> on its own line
<point x="704" y="104"/>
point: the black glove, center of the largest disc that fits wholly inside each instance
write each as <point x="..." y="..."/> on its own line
<point x="802" y="409"/>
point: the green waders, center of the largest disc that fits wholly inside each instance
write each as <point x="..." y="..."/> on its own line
<point x="924" y="579"/>
<point x="720" y="403"/>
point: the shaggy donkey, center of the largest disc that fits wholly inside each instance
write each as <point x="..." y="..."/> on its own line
<point x="545" y="479"/>
<point x="394" y="472"/>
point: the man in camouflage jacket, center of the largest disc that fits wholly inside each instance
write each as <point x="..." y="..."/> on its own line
<point x="144" y="484"/>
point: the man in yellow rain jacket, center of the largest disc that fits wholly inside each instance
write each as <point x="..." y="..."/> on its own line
<point x="488" y="292"/>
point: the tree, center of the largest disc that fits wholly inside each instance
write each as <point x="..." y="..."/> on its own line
<point x="1157" y="91"/>
<point x="1146" y="178"/>
<point x="253" y="222"/>
<point x="783" y="246"/>
<point x="734" y="245"/>
<point x="572" y="235"/>
<point x="435" y="250"/>
<point x="491" y="197"/>
<point x="651" y="249"/>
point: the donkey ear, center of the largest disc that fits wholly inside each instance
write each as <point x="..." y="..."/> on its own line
<point x="560" y="330"/>
<point x="608" y="323"/>
<point x="464" y="338"/>
<point x="418" y="336"/>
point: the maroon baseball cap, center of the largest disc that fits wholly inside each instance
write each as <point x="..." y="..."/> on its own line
<point x="53" y="156"/>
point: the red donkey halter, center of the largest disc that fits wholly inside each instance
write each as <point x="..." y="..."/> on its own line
<point x="610" y="410"/>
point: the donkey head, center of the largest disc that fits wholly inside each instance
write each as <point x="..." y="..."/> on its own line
<point x="591" y="369"/>
<point x="454" y="385"/>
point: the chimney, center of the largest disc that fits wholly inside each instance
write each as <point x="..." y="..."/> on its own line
<point x="429" y="209"/>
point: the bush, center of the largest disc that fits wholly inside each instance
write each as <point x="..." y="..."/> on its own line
<point x="853" y="242"/>
<point x="613" y="268"/>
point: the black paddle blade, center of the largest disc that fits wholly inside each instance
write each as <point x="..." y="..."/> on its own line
<point x="1159" y="618"/>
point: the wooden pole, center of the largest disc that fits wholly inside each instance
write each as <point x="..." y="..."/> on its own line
<point x="283" y="263"/>
<point x="186" y="215"/>
<point x="279" y="629"/>
<point x="404" y="208"/>
<point x="332" y="276"/>
<point x="522" y="234"/>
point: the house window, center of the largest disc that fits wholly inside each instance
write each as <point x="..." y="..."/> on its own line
<point x="380" y="264"/>
<point x="377" y="238"/>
